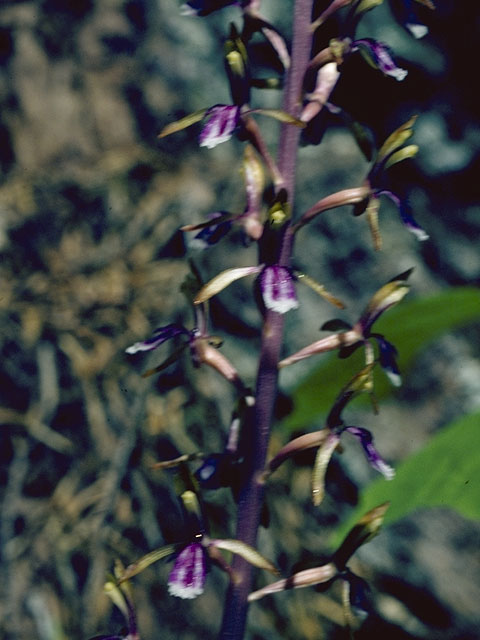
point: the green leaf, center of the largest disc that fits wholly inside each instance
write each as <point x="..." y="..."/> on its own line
<point x="410" y="327"/>
<point x="443" y="474"/>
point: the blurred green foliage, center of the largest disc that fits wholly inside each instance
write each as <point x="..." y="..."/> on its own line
<point x="443" y="474"/>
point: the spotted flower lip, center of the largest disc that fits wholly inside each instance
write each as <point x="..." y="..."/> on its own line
<point x="278" y="289"/>
<point x="187" y="578"/>
<point x="221" y="122"/>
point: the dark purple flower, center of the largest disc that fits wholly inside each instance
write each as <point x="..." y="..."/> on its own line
<point x="278" y="289"/>
<point x="204" y="7"/>
<point x="358" y="594"/>
<point x="373" y="457"/>
<point x="213" y="233"/>
<point x="187" y="578"/>
<point x="405" y="214"/>
<point x="391" y="152"/>
<point x="160" y="335"/>
<point x="221" y="122"/>
<point x="218" y="470"/>
<point x="387" y="358"/>
<point x="379" y="56"/>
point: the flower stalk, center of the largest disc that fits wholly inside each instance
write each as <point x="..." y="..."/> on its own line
<point x="252" y="490"/>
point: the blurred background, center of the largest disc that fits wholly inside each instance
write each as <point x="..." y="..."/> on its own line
<point x="92" y="260"/>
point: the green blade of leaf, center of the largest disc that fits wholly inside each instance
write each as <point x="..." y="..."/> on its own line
<point x="442" y="474"/>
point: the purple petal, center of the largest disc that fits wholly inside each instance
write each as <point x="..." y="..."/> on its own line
<point x="278" y="289"/>
<point x="212" y="234"/>
<point x="218" y="470"/>
<point x="379" y="55"/>
<point x="405" y="214"/>
<point x="373" y="457"/>
<point x="358" y="594"/>
<point x="160" y="335"/>
<point x="187" y="578"/>
<point x="388" y="361"/>
<point x="221" y="122"/>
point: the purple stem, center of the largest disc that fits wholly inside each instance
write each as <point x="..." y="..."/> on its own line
<point x="250" y="499"/>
